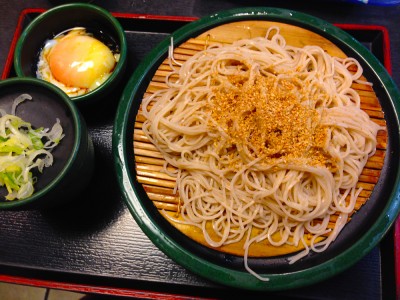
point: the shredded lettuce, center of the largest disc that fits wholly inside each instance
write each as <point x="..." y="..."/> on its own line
<point x="22" y="149"/>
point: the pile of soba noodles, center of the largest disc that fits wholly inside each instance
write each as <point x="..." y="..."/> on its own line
<point x="263" y="135"/>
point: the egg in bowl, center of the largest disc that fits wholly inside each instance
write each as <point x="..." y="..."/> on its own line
<point x="76" y="61"/>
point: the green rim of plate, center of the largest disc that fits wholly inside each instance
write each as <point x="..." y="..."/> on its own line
<point x="181" y="255"/>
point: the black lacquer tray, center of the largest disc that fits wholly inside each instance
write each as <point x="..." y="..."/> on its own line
<point x="97" y="246"/>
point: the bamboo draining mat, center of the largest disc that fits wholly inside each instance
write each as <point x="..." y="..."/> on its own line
<point x="149" y="161"/>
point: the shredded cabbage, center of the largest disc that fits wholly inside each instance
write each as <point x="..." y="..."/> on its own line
<point x="23" y="148"/>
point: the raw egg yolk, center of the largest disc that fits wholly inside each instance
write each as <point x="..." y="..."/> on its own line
<point x="80" y="61"/>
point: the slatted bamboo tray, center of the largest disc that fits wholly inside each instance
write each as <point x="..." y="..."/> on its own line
<point x="149" y="161"/>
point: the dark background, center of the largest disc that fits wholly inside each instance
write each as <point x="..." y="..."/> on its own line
<point x="100" y="244"/>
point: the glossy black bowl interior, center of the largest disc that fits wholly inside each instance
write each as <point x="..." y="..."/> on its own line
<point x="74" y="151"/>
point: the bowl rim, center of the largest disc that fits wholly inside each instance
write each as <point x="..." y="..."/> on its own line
<point x="119" y="68"/>
<point x="77" y="140"/>
<point x="182" y="256"/>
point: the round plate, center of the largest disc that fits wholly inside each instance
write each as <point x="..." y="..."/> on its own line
<point x="358" y="237"/>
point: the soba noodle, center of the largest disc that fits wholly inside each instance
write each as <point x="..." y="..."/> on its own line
<point x="263" y="135"/>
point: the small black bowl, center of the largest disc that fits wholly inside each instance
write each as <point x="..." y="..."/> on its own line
<point x="73" y="156"/>
<point x="62" y="18"/>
